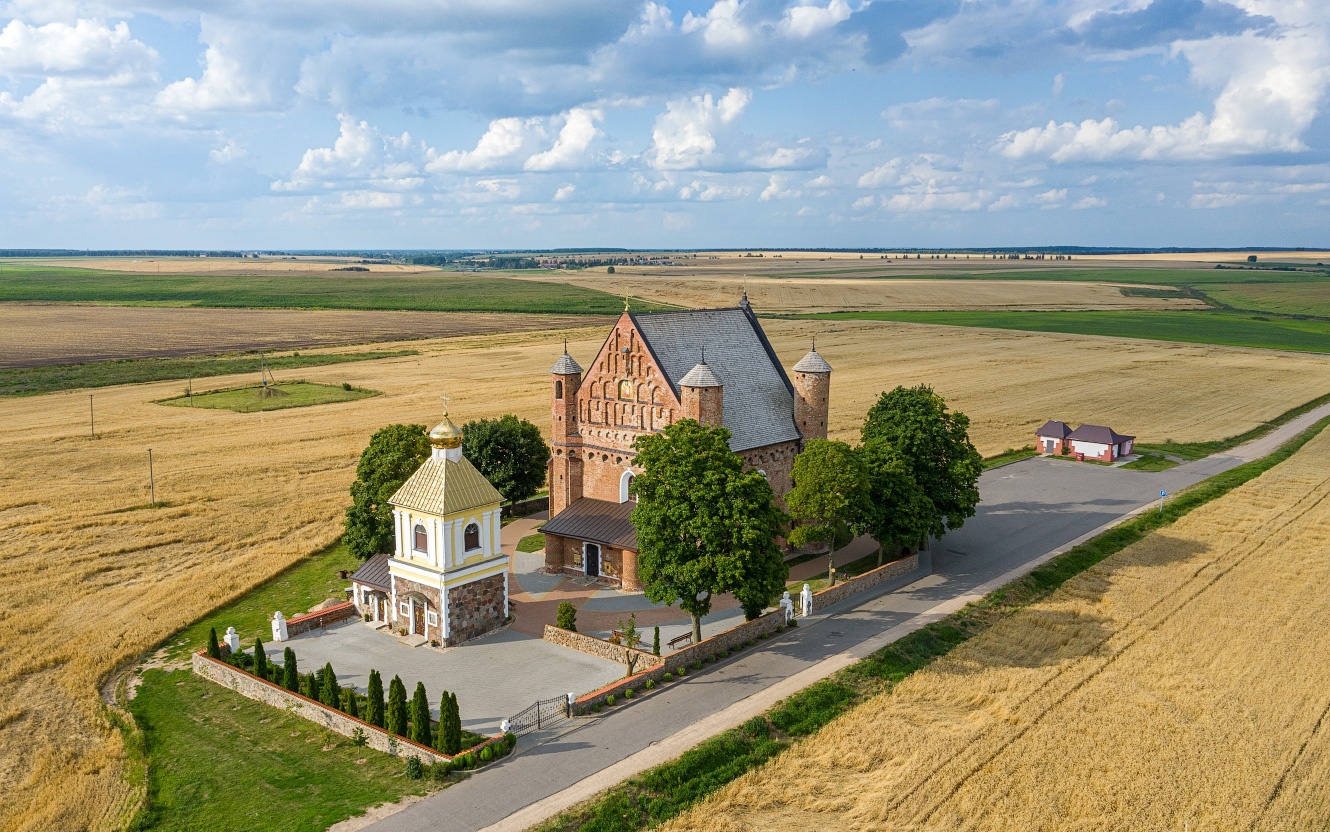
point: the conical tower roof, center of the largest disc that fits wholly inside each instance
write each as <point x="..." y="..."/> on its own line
<point x="700" y="376"/>
<point x="565" y="366"/>
<point x="813" y="362"/>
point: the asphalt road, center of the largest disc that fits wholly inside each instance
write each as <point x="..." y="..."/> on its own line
<point x="1029" y="509"/>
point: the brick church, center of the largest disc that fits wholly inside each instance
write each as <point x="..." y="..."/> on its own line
<point x="712" y="365"/>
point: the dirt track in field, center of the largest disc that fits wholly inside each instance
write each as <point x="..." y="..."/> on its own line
<point x="34" y="334"/>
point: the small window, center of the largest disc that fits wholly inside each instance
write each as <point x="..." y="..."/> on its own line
<point x="471" y="537"/>
<point x="558" y="389"/>
<point x="421" y="542"/>
<point x="432" y="619"/>
<point x="404" y="608"/>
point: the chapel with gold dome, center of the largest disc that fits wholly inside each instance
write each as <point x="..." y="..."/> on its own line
<point x="447" y="580"/>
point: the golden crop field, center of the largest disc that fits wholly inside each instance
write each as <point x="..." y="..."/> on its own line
<point x="1183" y="683"/>
<point x="833" y="294"/>
<point x="33" y="334"/>
<point x="90" y="578"/>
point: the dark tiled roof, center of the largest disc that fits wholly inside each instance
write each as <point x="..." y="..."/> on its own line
<point x="758" y="398"/>
<point x="1098" y="434"/>
<point x="1055" y="429"/>
<point x="596" y="521"/>
<point x="374" y="572"/>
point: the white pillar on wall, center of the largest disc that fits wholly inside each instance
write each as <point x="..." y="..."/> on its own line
<point x="496" y="523"/>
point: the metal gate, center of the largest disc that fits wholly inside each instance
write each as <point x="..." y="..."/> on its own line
<point x="543" y="714"/>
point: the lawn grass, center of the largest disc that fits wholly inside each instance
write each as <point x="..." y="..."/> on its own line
<point x="281" y="396"/>
<point x="1230" y="329"/>
<point x="1310" y="298"/>
<point x="32" y="381"/>
<point x="639" y="803"/>
<point x="1009" y="456"/>
<point x="293" y="591"/>
<point x="431" y="291"/>
<point x="1150" y="462"/>
<point x="531" y="543"/>
<point x="221" y="762"/>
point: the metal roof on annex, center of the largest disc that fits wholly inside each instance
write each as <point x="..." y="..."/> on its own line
<point x="1099" y="434"/>
<point x="596" y="521"/>
<point x="374" y="572"/>
<point x="440" y="486"/>
<point x="758" y="403"/>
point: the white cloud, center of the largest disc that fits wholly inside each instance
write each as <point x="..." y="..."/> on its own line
<point x="578" y="132"/>
<point x="711" y="191"/>
<point x="1051" y="198"/>
<point x="776" y="189"/>
<point x="881" y="176"/>
<point x="88" y="47"/>
<point x="505" y="144"/>
<point x="808" y="19"/>
<point x="245" y="68"/>
<point x="1217" y="200"/>
<point x="1088" y="202"/>
<point x="720" y="27"/>
<point x="565" y="190"/>
<point x="229" y="152"/>
<point x="683" y="136"/>
<point x="819" y="182"/>
<point x="361" y="153"/>
<point x="785" y="158"/>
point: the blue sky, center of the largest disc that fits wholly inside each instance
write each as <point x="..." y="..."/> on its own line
<point x="526" y="123"/>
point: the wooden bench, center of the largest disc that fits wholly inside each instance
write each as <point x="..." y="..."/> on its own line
<point x="681" y="641"/>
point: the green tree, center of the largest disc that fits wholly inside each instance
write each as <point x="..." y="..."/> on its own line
<point x="330" y="692"/>
<point x="214" y="649"/>
<point x="705" y="525"/>
<point x="934" y="445"/>
<point x="830" y="493"/>
<point x="349" y="704"/>
<point x="450" y="725"/>
<point x="420" y="728"/>
<point x="290" y="674"/>
<point x="510" y="452"/>
<point x="899" y="514"/>
<point x="393" y="454"/>
<point x="395" y="718"/>
<point x="374" y="699"/>
<point x="566" y="617"/>
<point x="260" y="660"/>
<point x="655" y="640"/>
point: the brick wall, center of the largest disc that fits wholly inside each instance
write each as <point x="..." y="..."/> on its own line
<point x="252" y="687"/>
<point x="778" y="462"/>
<point x="868" y="580"/>
<point x="597" y="647"/>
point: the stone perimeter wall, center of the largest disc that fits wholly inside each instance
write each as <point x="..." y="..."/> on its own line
<point x="598" y="647"/>
<point x="313" y="620"/>
<point x="252" y="687"/>
<point x="868" y="580"/>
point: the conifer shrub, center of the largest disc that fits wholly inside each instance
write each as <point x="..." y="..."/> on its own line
<point x="668" y="677"/>
<point x="395" y="719"/>
<point x="420" y="725"/>
<point x="260" y="660"/>
<point x="609" y="700"/>
<point x="414" y="769"/>
<point x="349" y="705"/>
<point x="440" y="770"/>
<point x="214" y="649"/>
<point x="510" y="740"/>
<point x="681" y="672"/>
<point x="374" y="699"/>
<point x="449" y="740"/>
<point x="655" y="641"/>
<point x="486" y="754"/>
<point x="330" y="693"/>
<point x="290" y="674"/>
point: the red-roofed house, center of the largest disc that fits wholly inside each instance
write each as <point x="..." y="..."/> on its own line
<point x="1095" y="442"/>
<point x="1052" y="437"/>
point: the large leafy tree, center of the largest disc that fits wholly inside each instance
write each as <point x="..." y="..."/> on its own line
<point x="830" y="492"/>
<point x="898" y="514"/>
<point x="510" y="452"/>
<point x="933" y="444"/>
<point x="705" y="525"/>
<point x="393" y="454"/>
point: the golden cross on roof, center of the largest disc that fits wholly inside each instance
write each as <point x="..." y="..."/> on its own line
<point x="446" y="398"/>
<point x="625" y="303"/>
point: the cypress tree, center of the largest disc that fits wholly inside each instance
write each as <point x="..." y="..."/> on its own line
<point x="655" y="641"/>
<point x="260" y="660"/>
<point x="374" y="700"/>
<point x="350" y="703"/>
<point x="214" y="649"/>
<point x="330" y="692"/>
<point x="290" y="675"/>
<point x="395" y="719"/>
<point x="313" y="687"/>
<point x="450" y="725"/>
<point x="420" y="731"/>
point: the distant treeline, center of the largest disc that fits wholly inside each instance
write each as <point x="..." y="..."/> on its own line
<point x="146" y="252"/>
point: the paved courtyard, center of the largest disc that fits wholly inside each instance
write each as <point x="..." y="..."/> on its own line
<point x="494" y="677"/>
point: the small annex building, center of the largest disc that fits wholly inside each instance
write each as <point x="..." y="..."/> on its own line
<point x="447" y="578"/>
<point x="1097" y="442"/>
<point x="712" y="365"/>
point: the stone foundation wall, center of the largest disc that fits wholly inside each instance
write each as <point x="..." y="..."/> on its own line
<point x="474" y="609"/>
<point x="778" y="462"/>
<point x="599" y="648"/>
<point x="868" y="580"/>
<point x="252" y="687"/>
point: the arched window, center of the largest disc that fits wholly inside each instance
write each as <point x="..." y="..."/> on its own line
<point x="471" y="537"/>
<point x="421" y="542"/>
<point x="626" y="486"/>
<point x="558" y="389"/>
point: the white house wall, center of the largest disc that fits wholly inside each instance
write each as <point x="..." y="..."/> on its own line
<point x="1088" y="448"/>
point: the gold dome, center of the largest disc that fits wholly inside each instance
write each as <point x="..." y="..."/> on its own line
<point x="446" y="434"/>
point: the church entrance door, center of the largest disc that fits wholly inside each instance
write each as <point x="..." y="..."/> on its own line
<point x="418" y="619"/>
<point x="592" y="560"/>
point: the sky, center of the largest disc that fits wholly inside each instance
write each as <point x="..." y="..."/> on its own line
<point x="438" y="124"/>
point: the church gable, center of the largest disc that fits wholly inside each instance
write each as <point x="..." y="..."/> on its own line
<point x="625" y="392"/>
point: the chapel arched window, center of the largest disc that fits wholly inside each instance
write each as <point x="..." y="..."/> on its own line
<point x="421" y="542"/>
<point x="471" y="537"/>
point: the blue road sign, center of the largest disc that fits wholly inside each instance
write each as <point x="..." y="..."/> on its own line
<point x="1163" y="493"/>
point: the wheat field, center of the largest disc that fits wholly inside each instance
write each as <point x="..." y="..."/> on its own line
<point x="1183" y="683"/>
<point x="90" y="578"/>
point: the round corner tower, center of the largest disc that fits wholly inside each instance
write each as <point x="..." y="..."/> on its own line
<point x="702" y="395"/>
<point x="812" y="395"/>
<point x="565" y="474"/>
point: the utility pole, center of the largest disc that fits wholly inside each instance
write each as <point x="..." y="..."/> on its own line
<point x="92" y="425"/>
<point x="152" y="485"/>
